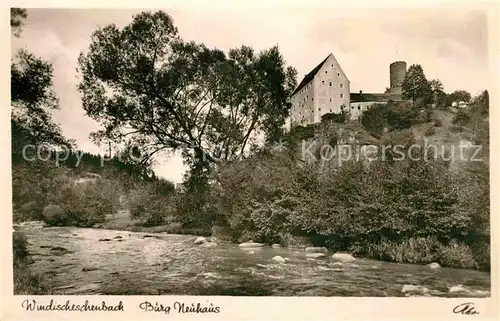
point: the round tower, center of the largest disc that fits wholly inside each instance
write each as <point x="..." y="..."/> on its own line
<point x="397" y="74"/>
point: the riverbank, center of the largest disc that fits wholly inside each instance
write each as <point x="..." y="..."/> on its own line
<point x="25" y="282"/>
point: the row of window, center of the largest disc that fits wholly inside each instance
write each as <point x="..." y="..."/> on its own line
<point x="330" y="83"/>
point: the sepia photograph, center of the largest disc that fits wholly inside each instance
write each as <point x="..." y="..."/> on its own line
<point x="268" y="152"/>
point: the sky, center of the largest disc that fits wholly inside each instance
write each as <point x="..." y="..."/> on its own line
<point x="450" y="44"/>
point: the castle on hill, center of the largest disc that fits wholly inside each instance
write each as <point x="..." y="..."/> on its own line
<point x="326" y="90"/>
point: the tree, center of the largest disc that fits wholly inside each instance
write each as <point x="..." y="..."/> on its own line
<point x="461" y="119"/>
<point x="32" y="97"/>
<point x="457" y="96"/>
<point x="415" y="85"/>
<point x="145" y="85"/>
<point x="438" y="95"/>
<point x="17" y="17"/>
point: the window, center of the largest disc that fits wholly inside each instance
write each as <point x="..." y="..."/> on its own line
<point x="319" y="109"/>
<point x="312" y="99"/>
<point x="359" y="107"/>
<point x="352" y="107"/>
<point x="330" y="99"/>
<point x="341" y="85"/>
<point x="326" y="71"/>
<point x="330" y="110"/>
<point x="323" y="82"/>
<point x="338" y="74"/>
<point x="341" y="95"/>
<point x="331" y="84"/>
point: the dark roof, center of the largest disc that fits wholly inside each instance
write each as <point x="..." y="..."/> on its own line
<point x="357" y="97"/>
<point x="309" y="76"/>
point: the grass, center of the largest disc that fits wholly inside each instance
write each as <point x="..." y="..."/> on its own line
<point x="25" y="282"/>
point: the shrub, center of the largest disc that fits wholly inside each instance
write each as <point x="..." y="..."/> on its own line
<point x="401" y="115"/>
<point x="457" y="255"/>
<point x="29" y="211"/>
<point x="375" y="119"/>
<point x="461" y="118"/>
<point x="429" y="131"/>
<point x="54" y="215"/>
<point x="150" y="208"/>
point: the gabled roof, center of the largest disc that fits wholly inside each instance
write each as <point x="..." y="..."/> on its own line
<point x="360" y="97"/>
<point x="309" y="76"/>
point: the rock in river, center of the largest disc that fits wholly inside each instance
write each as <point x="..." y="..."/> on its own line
<point x="434" y="265"/>
<point x="459" y="288"/>
<point x="209" y="244"/>
<point x="200" y="240"/>
<point x="57" y="250"/>
<point x="316" y="249"/>
<point x="278" y="259"/>
<point x="343" y="257"/>
<point x="409" y="289"/>
<point x="315" y="255"/>
<point x="251" y="244"/>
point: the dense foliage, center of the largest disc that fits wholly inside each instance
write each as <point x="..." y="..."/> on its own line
<point x="144" y="84"/>
<point x="371" y="210"/>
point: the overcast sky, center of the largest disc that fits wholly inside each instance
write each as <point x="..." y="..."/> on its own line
<point x="450" y="44"/>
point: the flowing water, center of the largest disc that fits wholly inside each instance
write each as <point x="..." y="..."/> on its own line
<point x="79" y="261"/>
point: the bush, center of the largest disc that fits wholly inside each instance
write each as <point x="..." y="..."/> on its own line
<point x="456" y="255"/>
<point x="375" y="119"/>
<point x="54" y="215"/>
<point x="429" y="131"/>
<point x="29" y="211"/>
<point x="149" y="207"/>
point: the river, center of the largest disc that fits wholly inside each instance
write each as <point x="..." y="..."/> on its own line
<point x="75" y="261"/>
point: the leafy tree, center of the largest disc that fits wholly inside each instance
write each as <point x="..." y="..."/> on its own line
<point x="375" y="119"/>
<point x="17" y="17"/>
<point x="438" y="95"/>
<point x="461" y="118"/>
<point x="32" y="97"/>
<point x="415" y="85"/>
<point x="145" y="85"/>
<point x="458" y="95"/>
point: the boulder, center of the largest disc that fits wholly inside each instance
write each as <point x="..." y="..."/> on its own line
<point x="315" y="255"/>
<point x="409" y="289"/>
<point x="200" y="240"/>
<point x="459" y="288"/>
<point x="433" y="265"/>
<point x="343" y="257"/>
<point x="278" y="259"/>
<point x="275" y="246"/>
<point x="251" y="244"/>
<point x="316" y="249"/>
<point x="209" y="244"/>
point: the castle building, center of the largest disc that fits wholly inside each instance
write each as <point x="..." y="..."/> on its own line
<point x="326" y="90"/>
